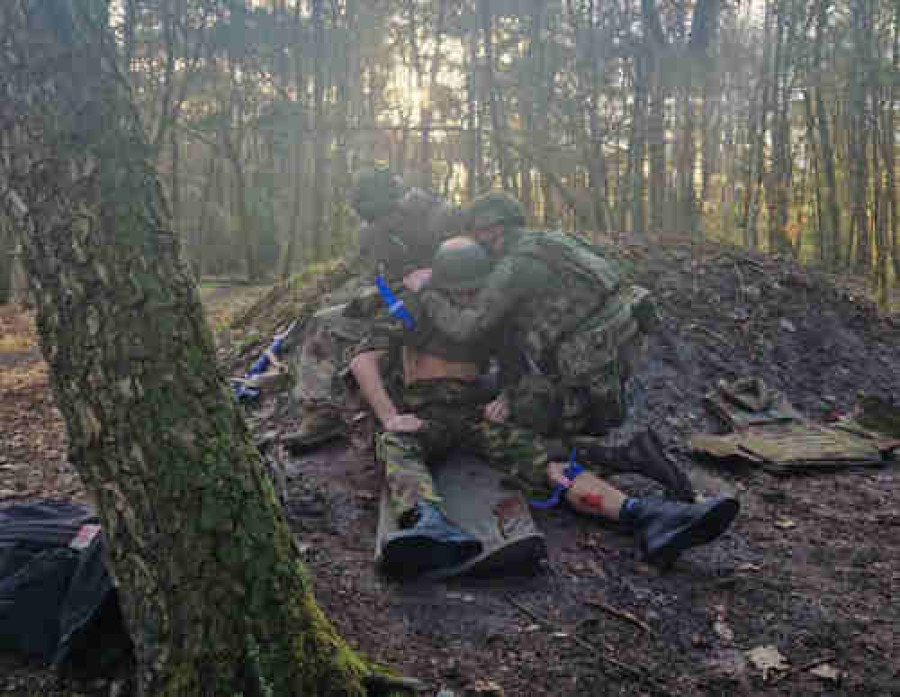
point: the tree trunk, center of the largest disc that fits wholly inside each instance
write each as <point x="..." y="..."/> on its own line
<point x="637" y="146"/>
<point x="295" y="153"/>
<point x="711" y="128"/>
<point x="687" y="157"/>
<point x="498" y="130"/>
<point x="656" y="145"/>
<point x="889" y="148"/>
<point x="813" y="162"/>
<point x="474" y="175"/>
<point x="198" y="231"/>
<point x="425" y="164"/>
<point x="859" y="137"/>
<point x="242" y="212"/>
<point x="782" y="160"/>
<point x="320" y="133"/>
<point x="128" y="39"/>
<point x="211" y="583"/>
<point x="7" y="255"/>
<point x="756" y="167"/>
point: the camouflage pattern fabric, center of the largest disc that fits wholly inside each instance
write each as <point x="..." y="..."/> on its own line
<point x="396" y="243"/>
<point x="453" y="412"/>
<point x="581" y="330"/>
<point x="586" y="392"/>
<point x="407" y="236"/>
<point x="545" y="284"/>
<point x="322" y="380"/>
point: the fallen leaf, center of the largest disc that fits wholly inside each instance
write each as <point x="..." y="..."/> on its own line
<point x="826" y="671"/>
<point x="484" y="688"/>
<point x="767" y="659"/>
<point x="785" y="523"/>
<point x="748" y="567"/>
<point x="724" y="631"/>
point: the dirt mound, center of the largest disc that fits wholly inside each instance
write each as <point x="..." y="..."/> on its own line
<point x="730" y="313"/>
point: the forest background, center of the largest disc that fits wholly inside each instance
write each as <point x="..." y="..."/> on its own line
<point x="770" y="124"/>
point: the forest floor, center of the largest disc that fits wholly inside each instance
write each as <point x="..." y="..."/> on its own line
<point x="809" y="569"/>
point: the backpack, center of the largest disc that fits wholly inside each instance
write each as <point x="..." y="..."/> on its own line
<point x="58" y="603"/>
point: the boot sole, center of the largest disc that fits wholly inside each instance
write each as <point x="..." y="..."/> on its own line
<point x="412" y="556"/>
<point x="701" y="531"/>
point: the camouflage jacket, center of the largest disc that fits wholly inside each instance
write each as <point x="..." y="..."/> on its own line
<point x="389" y="336"/>
<point x="406" y="238"/>
<point x="546" y="285"/>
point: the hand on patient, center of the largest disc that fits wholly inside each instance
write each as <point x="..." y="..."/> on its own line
<point x="403" y="423"/>
<point x="497" y="411"/>
<point x="418" y="279"/>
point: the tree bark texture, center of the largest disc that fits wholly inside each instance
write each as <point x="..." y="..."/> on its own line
<point x="637" y="146"/>
<point x="858" y="245"/>
<point x="7" y="251"/>
<point x="211" y="583"/>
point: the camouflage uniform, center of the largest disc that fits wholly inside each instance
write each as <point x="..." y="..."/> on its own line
<point x="400" y="240"/>
<point x="453" y="414"/>
<point x="581" y="329"/>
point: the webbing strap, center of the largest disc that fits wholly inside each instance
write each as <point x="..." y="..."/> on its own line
<point x="569" y="475"/>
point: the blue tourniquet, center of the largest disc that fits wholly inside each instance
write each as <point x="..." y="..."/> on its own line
<point x="395" y="305"/>
<point x="572" y="471"/>
<point x="244" y="393"/>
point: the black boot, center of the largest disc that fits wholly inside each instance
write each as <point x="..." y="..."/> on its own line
<point x="429" y="542"/>
<point x="643" y="454"/>
<point x="664" y="529"/>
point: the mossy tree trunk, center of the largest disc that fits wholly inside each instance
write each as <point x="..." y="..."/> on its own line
<point x="213" y="590"/>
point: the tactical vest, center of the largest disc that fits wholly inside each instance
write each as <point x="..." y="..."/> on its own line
<point x="572" y="256"/>
<point x="584" y="281"/>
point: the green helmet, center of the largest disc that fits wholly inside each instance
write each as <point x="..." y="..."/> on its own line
<point x="493" y="209"/>
<point x="375" y="192"/>
<point x="460" y="267"/>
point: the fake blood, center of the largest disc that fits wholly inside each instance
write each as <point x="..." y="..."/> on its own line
<point x="594" y="501"/>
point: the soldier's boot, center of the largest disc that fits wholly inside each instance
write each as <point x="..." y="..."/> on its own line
<point x="664" y="529"/>
<point x="427" y="542"/>
<point x="643" y="454"/>
<point x="319" y="424"/>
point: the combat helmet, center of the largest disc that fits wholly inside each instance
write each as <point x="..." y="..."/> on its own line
<point x="492" y="209"/>
<point x="460" y="264"/>
<point x="375" y="192"/>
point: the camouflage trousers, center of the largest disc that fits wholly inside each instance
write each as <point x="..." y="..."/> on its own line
<point x="453" y="415"/>
<point x="586" y="392"/>
<point x="323" y="387"/>
<point x="320" y="368"/>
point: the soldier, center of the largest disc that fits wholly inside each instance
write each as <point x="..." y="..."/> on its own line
<point x="402" y="226"/>
<point x="432" y="401"/>
<point x="581" y="329"/>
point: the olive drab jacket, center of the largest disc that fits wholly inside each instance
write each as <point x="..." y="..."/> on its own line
<point x="546" y="284"/>
<point x="407" y="236"/>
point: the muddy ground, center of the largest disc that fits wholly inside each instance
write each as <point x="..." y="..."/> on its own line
<point x="810" y="567"/>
